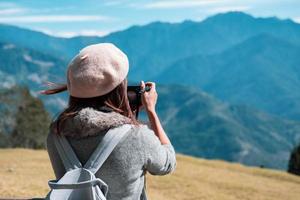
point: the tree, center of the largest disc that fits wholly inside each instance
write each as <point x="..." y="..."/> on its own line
<point x="9" y="100"/>
<point x="4" y="140"/>
<point x="294" y="163"/>
<point x="32" y="122"/>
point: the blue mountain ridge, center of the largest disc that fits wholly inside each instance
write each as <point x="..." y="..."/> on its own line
<point x="262" y="71"/>
<point x="249" y="63"/>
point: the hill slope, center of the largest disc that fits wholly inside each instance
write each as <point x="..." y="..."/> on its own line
<point x="262" y="71"/>
<point x="19" y="65"/>
<point x="193" y="179"/>
<point x="202" y="126"/>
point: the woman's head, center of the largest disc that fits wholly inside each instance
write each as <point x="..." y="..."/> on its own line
<point x="96" y="78"/>
<point x="96" y="70"/>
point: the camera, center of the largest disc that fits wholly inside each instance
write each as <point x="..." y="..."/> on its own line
<point x="134" y="94"/>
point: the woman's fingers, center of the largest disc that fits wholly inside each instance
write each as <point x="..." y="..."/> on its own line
<point x="151" y="85"/>
<point x="149" y="98"/>
<point x="142" y="85"/>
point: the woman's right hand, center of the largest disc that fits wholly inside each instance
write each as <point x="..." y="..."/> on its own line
<point x="149" y="101"/>
<point x="149" y="98"/>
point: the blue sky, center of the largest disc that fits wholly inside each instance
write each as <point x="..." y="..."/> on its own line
<point x="68" y="18"/>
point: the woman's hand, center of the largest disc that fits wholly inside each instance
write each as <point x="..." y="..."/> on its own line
<point x="149" y="98"/>
<point x="149" y="101"/>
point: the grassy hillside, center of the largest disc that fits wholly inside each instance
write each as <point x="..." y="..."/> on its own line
<point x="24" y="173"/>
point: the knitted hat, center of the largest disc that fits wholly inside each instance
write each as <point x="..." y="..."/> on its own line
<point x="96" y="70"/>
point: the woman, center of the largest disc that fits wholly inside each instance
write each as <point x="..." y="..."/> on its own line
<point x="97" y="84"/>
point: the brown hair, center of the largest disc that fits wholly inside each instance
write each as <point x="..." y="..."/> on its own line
<point x="116" y="100"/>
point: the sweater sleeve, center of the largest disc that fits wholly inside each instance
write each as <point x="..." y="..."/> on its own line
<point x="159" y="159"/>
<point x="56" y="162"/>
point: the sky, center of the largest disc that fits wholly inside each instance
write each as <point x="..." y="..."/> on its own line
<point x="67" y="18"/>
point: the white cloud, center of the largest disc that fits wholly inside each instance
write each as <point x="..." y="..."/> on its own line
<point x="93" y="32"/>
<point x="68" y="34"/>
<point x="177" y="4"/>
<point x="53" y="18"/>
<point x="53" y="9"/>
<point x="12" y="11"/>
<point x="9" y="8"/>
<point x="222" y="9"/>
<point x="296" y="19"/>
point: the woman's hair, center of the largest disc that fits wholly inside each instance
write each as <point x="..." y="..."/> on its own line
<point x="116" y="100"/>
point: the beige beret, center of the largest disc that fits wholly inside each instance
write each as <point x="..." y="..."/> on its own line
<point x="96" y="70"/>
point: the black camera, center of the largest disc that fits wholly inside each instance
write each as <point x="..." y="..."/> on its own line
<point x="134" y="94"/>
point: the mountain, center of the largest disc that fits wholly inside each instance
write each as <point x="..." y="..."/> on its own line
<point x="203" y="126"/>
<point x="213" y="48"/>
<point x="251" y="63"/>
<point x="27" y="62"/>
<point x="155" y="46"/>
<point x="198" y="178"/>
<point x="33" y="40"/>
<point x="262" y="72"/>
<point x="24" y="66"/>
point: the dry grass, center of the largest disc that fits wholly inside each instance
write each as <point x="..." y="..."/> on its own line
<point x="24" y="173"/>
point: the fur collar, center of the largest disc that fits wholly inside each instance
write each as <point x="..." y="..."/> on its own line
<point x="90" y="122"/>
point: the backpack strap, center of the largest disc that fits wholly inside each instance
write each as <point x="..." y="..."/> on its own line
<point x="106" y="146"/>
<point x="66" y="152"/>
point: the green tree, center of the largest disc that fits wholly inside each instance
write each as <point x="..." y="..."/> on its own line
<point x="4" y="140"/>
<point x="31" y="122"/>
<point x="294" y="163"/>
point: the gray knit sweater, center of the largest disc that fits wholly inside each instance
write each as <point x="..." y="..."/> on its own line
<point x="139" y="151"/>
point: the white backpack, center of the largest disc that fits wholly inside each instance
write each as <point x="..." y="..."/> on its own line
<point x="79" y="182"/>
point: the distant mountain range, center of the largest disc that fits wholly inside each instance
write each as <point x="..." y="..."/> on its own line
<point x="263" y="71"/>
<point x="225" y="44"/>
<point x="251" y="63"/>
